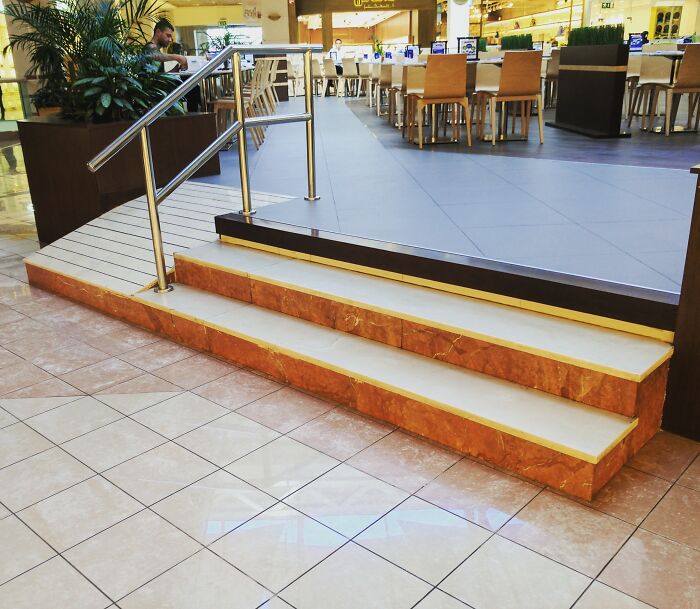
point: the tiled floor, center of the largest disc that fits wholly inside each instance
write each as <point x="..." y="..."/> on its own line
<point x="621" y="215"/>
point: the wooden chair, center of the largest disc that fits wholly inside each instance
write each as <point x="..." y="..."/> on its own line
<point x="653" y="71"/>
<point x="330" y="76"/>
<point x="394" y="94"/>
<point x="551" y="80"/>
<point x="375" y="69"/>
<point x="412" y="85"/>
<point x="445" y="83"/>
<point x="520" y="81"/>
<point x="383" y="85"/>
<point x="364" y="78"/>
<point x="634" y="66"/>
<point x="488" y="78"/>
<point x="317" y="75"/>
<point x="688" y="81"/>
<point x="350" y="77"/>
<point x="295" y="74"/>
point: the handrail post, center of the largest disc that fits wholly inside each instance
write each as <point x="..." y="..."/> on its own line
<point x="242" y="135"/>
<point x="310" y="152"/>
<point x="153" y="213"/>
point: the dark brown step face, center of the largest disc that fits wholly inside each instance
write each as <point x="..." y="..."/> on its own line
<point x="574" y="382"/>
<point x="540" y="463"/>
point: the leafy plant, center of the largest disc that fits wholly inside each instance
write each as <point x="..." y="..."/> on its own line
<point x="603" y="34"/>
<point x="481" y="45"/>
<point x="516" y="42"/>
<point x="216" y="44"/>
<point x="377" y="47"/>
<point x="73" y="41"/>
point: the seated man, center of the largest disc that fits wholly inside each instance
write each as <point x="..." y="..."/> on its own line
<point x="162" y="38"/>
<point x="336" y="54"/>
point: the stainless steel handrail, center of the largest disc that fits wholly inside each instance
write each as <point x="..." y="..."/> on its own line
<point x="140" y="128"/>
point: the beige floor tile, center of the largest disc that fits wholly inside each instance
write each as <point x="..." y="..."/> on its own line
<point x="22" y="329"/>
<point x="39" y="476"/>
<point x="285" y="409"/>
<point x="437" y="599"/>
<point x="630" y="495"/>
<point x="73" y="515"/>
<point x="67" y="359"/>
<point x="73" y="419"/>
<point x="228" y="438"/>
<point x="213" y="506"/>
<point x="504" y="575"/>
<point x="102" y="375"/>
<point x="677" y="517"/>
<point x="276" y="603"/>
<point x="7" y="358"/>
<point x="657" y="571"/>
<point x="18" y="442"/>
<point x="180" y="414"/>
<point x="691" y="476"/>
<point x="49" y="388"/>
<point x="52" y="585"/>
<point x="666" y="455"/>
<point x="194" y="371"/>
<point x="354" y="577"/>
<point x="340" y="433"/>
<point x="346" y="500"/>
<point x="423" y="539"/>
<point x="568" y="532"/>
<point x="112" y="444"/>
<point x="130" y="403"/>
<point x="6" y="419"/>
<point x="600" y="596"/>
<point x="479" y="493"/>
<point x="21" y="375"/>
<point x="144" y="383"/>
<point x="4" y="512"/>
<point x="159" y="472"/>
<point x="8" y="315"/>
<point x="404" y="461"/>
<point x="21" y="549"/>
<point x="237" y="389"/>
<point x="277" y="546"/>
<point x="156" y="355"/>
<point x="281" y="467"/>
<point x="23" y="408"/>
<point x="203" y="581"/>
<point x="129" y="554"/>
<point x="122" y="340"/>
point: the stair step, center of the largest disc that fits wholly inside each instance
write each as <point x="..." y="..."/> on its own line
<point x="562" y="443"/>
<point x="593" y="365"/>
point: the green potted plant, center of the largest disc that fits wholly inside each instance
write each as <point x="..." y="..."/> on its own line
<point x="90" y="59"/>
<point x="592" y="74"/>
<point x="517" y="42"/>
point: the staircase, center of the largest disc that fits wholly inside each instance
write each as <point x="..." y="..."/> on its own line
<point x="558" y="401"/>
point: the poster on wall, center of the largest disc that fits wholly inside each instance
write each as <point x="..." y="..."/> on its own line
<point x="251" y="11"/>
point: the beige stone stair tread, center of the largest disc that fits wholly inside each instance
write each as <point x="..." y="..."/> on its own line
<point x="568" y="427"/>
<point x="592" y="347"/>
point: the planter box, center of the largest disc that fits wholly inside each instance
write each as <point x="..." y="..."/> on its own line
<point x="66" y="195"/>
<point x="592" y="89"/>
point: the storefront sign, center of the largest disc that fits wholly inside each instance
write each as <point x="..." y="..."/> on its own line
<point x="251" y="11"/>
<point x="373" y="5"/>
<point x="607" y="5"/>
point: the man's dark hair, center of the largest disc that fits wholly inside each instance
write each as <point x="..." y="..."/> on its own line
<point x="339" y="40"/>
<point x="163" y="24"/>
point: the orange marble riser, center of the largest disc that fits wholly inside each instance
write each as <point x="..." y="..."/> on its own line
<point x="567" y="380"/>
<point x="528" y="459"/>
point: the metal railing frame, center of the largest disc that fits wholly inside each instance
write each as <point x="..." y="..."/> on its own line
<point x="155" y="197"/>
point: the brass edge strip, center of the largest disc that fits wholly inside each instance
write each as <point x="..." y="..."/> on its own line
<point x="586" y="365"/>
<point x="589" y="318"/>
<point x="573" y="68"/>
<point x="557" y="447"/>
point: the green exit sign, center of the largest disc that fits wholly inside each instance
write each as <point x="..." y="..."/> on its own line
<point x="607" y="5"/>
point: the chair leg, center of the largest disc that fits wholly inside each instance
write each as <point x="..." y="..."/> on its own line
<point x="468" y="120"/>
<point x="492" y="103"/>
<point x="633" y="107"/>
<point x="654" y="104"/>
<point x="540" y="119"/>
<point x="419" y="108"/>
<point x="669" y="110"/>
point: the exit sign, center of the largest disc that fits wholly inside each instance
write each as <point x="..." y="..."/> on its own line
<point x="607" y="5"/>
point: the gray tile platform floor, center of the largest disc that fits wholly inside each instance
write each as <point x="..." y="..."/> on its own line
<point x="623" y="223"/>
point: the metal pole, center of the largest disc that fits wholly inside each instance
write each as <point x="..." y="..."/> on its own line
<point x="310" y="153"/>
<point x="153" y="213"/>
<point x="242" y="143"/>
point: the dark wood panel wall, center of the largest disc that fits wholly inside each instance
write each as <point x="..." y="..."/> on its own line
<point x="682" y="410"/>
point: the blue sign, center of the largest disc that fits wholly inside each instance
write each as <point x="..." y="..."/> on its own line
<point x="635" y="42"/>
<point x="438" y="47"/>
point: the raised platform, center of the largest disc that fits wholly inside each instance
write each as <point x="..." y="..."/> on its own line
<point x="553" y="399"/>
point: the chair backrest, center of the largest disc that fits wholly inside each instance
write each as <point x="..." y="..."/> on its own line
<point x="385" y="74"/>
<point x="634" y="65"/>
<point x="349" y="67"/>
<point x="329" y="67"/>
<point x="488" y="76"/>
<point x="396" y="75"/>
<point x="490" y="54"/>
<point x="553" y="64"/>
<point x="446" y="77"/>
<point x="375" y="70"/>
<point x="520" y="73"/>
<point x="689" y="72"/>
<point x="660" y="46"/>
<point x="364" y="70"/>
<point x="316" y="71"/>
<point x="655" y="69"/>
<point x="415" y="79"/>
